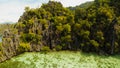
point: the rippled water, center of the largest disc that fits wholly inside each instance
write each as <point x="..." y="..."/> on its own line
<point x="63" y="59"/>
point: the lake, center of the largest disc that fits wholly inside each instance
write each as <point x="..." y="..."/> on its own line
<point x="62" y="59"/>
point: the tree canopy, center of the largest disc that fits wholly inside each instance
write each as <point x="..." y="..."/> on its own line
<point x="92" y="28"/>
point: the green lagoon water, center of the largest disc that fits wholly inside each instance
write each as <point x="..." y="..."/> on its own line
<point x="62" y="59"/>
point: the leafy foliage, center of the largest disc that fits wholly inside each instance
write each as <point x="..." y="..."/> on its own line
<point x="94" y="27"/>
<point x="45" y="48"/>
<point x="24" y="47"/>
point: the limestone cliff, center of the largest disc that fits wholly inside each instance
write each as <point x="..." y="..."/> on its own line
<point x="10" y="44"/>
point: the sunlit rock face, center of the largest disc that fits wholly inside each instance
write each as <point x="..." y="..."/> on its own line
<point x="10" y="44"/>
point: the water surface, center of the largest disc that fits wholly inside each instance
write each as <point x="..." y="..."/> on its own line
<point x="62" y="59"/>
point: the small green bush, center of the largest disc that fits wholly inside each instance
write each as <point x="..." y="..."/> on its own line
<point x="58" y="48"/>
<point x="45" y="48"/>
<point x="24" y="47"/>
<point x="94" y="43"/>
<point x="27" y="37"/>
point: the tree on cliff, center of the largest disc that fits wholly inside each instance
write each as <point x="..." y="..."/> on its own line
<point x="88" y="29"/>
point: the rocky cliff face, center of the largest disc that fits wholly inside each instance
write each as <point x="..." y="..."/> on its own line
<point x="10" y="44"/>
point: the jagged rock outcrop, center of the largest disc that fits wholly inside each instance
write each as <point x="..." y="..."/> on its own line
<point x="10" y="44"/>
<point x="35" y="47"/>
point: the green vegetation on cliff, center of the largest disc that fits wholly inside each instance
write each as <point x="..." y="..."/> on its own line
<point x="94" y="28"/>
<point x="5" y="26"/>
